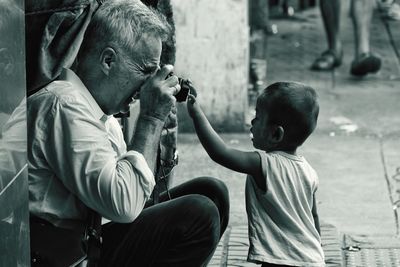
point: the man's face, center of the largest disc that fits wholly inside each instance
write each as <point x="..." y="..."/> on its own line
<point x="133" y="71"/>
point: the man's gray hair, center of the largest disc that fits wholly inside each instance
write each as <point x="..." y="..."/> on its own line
<point x="122" y="23"/>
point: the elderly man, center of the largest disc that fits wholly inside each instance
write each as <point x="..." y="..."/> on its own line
<point x="78" y="159"/>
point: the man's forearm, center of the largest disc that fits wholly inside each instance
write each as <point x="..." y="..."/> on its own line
<point x="147" y="138"/>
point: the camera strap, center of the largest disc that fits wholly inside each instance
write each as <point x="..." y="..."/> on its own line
<point x="92" y="238"/>
<point x="164" y="172"/>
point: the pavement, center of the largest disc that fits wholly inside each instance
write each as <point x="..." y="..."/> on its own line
<point x="355" y="148"/>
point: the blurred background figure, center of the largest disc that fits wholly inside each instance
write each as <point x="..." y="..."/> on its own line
<point x="389" y="9"/>
<point x="259" y="29"/>
<point x="14" y="242"/>
<point x="12" y="92"/>
<point x="364" y="61"/>
<point x="11" y="56"/>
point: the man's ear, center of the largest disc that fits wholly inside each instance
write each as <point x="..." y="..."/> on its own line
<point x="6" y="62"/>
<point x="276" y="134"/>
<point x="107" y="59"/>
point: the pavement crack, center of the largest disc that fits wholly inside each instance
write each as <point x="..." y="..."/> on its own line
<point x="392" y="40"/>
<point x="389" y="187"/>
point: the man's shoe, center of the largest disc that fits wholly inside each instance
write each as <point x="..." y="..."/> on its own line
<point x="366" y="63"/>
<point x="328" y="60"/>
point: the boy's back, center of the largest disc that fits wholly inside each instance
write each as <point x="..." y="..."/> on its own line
<point x="281" y="224"/>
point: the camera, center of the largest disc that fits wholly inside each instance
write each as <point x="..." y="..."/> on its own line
<point x="186" y="88"/>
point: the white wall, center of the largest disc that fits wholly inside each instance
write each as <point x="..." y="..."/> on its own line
<point x="212" y="49"/>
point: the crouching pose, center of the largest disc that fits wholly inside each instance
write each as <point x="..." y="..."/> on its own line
<point x="79" y="161"/>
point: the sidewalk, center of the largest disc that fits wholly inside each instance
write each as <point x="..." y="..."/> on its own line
<point x="232" y="250"/>
<point x="352" y="197"/>
<point x="355" y="149"/>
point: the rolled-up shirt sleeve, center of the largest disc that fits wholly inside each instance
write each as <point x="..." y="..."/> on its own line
<point x="138" y="162"/>
<point x="124" y="187"/>
<point x="86" y="161"/>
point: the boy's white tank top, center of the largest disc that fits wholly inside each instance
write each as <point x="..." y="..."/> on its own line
<point x="281" y="223"/>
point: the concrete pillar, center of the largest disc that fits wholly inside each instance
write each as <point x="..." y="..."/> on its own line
<point x="212" y="49"/>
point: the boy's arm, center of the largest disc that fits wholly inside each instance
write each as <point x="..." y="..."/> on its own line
<point x="240" y="161"/>
<point x="315" y="215"/>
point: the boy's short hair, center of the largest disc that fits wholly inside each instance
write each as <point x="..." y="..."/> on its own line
<point x="294" y="106"/>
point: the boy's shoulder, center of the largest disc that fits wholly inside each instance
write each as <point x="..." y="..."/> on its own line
<point x="278" y="163"/>
<point x="281" y="155"/>
<point x="273" y="158"/>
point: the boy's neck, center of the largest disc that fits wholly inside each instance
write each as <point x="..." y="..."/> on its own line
<point x="291" y="151"/>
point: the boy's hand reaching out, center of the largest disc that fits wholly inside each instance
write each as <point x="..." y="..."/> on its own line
<point x="241" y="161"/>
<point x="193" y="106"/>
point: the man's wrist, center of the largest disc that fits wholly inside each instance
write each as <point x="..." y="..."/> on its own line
<point x="153" y="118"/>
<point x="147" y="138"/>
<point x="146" y="127"/>
<point x="150" y="115"/>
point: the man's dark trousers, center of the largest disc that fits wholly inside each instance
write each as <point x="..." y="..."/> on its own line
<point x="183" y="231"/>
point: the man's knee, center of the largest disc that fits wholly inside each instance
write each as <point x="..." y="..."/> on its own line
<point x="213" y="185"/>
<point x="217" y="191"/>
<point x="202" y="208"/>
<point x="205" y="215"/>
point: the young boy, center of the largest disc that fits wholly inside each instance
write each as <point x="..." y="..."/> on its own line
<point x="281" y="185"/>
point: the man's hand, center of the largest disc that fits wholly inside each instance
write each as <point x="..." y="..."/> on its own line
<point x="168" y="141"/>
<point x="156" y="101"/>
<point x="157" y="94"/>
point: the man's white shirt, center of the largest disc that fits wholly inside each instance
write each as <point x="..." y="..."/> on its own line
<point x="78" y="158"/>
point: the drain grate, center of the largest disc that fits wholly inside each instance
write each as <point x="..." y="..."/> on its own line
<point x="373" y="257"/>
<point x="371" y="251"/>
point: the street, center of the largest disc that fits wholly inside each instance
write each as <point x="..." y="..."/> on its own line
<point x="355" y="148"/>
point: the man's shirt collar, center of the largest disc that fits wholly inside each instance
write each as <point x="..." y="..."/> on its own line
<point x="70" y="76"/>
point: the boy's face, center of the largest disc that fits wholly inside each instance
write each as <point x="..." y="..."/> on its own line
<point x="259" y="127"/>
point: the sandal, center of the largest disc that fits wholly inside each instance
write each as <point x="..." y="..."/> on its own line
<point x="328" y="60"/>
<point x="366" y="63"/>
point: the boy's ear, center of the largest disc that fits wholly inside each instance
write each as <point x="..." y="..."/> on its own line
<point x="107" y="59"/>
<point x="277" y="133"/>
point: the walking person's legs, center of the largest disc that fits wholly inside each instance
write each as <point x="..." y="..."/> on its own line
<point x="361" y="15"/>
<point x="330" y="12"/>
<point x="364" y="61"/>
